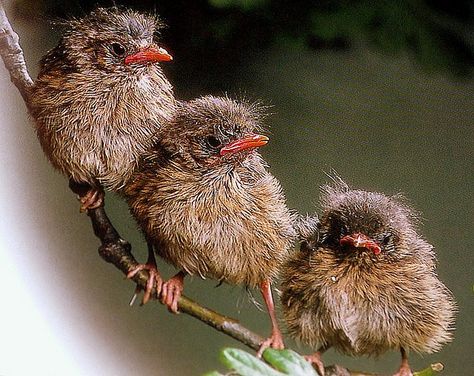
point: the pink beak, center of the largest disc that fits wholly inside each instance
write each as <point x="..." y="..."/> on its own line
<point x="149" y="55"/>
<point x="248" y="142"/>
<point x="360" y="241"/>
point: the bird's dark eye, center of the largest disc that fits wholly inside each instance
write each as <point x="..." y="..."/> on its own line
<point x="117" y="49"/>
<point x="344" y="230"/>
<point x="386" y="241"/>
<point x="213" y="141"/>
<point x="387" y="238"/>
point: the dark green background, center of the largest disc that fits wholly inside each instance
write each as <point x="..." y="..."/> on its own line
<point x="362" y="101"/>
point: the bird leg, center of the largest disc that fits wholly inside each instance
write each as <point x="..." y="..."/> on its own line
<point x="404" y="369"/>
<point x="276" y="339"/>
<point x="171" y="291"/>
<point x="89" y="196"/>
<point x="154" y="278"/>
<point x="315" y="359"/>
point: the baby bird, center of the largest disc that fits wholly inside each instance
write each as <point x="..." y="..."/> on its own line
<point x="100" y="99"/>
<point x="205" y="200"/>
<point x="365" y="281"/>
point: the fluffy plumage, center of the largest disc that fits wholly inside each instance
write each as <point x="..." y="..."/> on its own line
<point x="367" y="298"/>
<point x="95" y="111"/>
<point x="206" y="202"/>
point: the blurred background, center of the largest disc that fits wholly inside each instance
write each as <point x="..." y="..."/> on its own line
<point x="382" y="92"/>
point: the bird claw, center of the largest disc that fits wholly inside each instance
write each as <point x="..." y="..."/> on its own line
<point x="154" y="280"/>
<point x="275" y="342"/>
<point x="92" y="199"/>
<point x="171" y="292"/>
<point x="315" y="359"/>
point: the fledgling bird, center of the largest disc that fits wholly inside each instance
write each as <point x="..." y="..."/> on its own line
<point x="100" y="99"/>
<point x="365" y="282"/>
<point x="205" y="200"/>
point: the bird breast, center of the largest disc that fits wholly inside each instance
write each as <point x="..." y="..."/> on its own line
<point x="95" y="130"/>
<point x="365" y="312"/>
<point x="222" y="227"/>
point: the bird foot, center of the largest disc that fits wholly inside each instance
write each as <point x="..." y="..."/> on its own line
<point x="275" y="342"/>
<point x="93" y="199"/>
<point x="171" y="292"/>
<point x="154" y="280"/>
<point x="404" y="370"/>
<point x="315" y="359"/>
<point x="90" y="197"/>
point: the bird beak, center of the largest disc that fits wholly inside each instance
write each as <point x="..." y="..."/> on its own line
<point x="149" y="55"/>
<point x="248" y="142"/>
<point x="360" y="241"/>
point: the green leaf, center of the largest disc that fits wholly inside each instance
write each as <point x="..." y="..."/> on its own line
<point x="246" y="364"/>
<point x="432" y="370"/>
<point x="289" y="362"/>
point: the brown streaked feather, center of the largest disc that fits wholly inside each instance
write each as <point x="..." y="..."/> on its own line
<point x="359" y="303"/>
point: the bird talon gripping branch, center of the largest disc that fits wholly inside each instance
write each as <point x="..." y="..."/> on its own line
<point x="93" y="199"/>
<point x="315" y="359"/>
<point x="154" y="279"/>
<point x="171" y="292"/>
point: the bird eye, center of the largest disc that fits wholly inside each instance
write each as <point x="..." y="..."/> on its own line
<point x="344" y="230"/>
<point x="117" y="49"/>
<point x="387" y="237"/>
<point x="213" y="141"/>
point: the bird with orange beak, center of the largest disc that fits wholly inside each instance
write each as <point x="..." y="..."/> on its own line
<point x="100" y="99"/>
<point x="206" y="202"/>
<point x="364" y="281"/>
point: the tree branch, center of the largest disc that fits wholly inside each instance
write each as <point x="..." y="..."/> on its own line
<point x="113" y="248"/>
<point x="118" y="252"/>
<point x="12" y="56"/>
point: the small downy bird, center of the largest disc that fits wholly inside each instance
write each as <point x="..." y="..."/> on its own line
<point x="364" y="281"/>
<point x="100" y="99"/>
<point x="206" y="202"/>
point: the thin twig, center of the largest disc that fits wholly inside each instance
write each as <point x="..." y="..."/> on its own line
<point x="118" y="252"/>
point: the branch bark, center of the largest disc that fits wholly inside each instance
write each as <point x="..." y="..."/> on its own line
<point x="12" y="56"/>
<point x="114" y="249"/>
<point x="117" y="251"/>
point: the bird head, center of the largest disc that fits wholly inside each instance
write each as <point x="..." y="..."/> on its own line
<point x="216" y="130"/>
<point x="356" y="222"/>
<point x="113" y="40"/>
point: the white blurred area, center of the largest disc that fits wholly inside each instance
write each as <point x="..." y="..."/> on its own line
<point x="50" y="323"/>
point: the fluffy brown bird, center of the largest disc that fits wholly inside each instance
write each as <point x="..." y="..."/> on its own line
<point x="205" y="200"/>
<point x="365" y="281"/>
<point x="100" y="99"/>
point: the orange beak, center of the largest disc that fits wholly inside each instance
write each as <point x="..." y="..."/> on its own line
<point x="248" y="142"/>
<point x="360" y="241"/>
<point x="149" y="55"/>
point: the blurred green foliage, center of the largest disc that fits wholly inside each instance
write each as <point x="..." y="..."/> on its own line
<point x="210" y="37"/>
